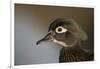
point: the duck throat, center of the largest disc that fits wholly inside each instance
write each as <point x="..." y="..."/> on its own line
<point x="64" y="44"/>
<point x="71" y="54"/>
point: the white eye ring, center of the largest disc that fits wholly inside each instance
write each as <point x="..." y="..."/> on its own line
<point x="60" y="29"/>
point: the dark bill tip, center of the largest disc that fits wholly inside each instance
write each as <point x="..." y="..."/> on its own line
<point x="46" y="38"/>
<point x="38" y="42"/>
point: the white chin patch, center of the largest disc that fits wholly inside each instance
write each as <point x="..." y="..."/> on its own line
<point x="61" y="43"/>
<point x="64" y="44"/>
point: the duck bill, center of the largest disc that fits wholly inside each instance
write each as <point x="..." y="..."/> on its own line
<point x="46" y="38"/>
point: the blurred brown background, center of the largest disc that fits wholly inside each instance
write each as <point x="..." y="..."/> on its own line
<point x="32" y="22"/>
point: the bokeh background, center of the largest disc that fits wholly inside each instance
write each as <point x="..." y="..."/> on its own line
<point x="31" y="24"/>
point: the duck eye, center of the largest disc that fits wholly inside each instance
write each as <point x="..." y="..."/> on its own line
<point x="60" y="29"/>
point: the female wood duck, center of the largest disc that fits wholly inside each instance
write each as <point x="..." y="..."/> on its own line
<point x="69" y="35"/>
